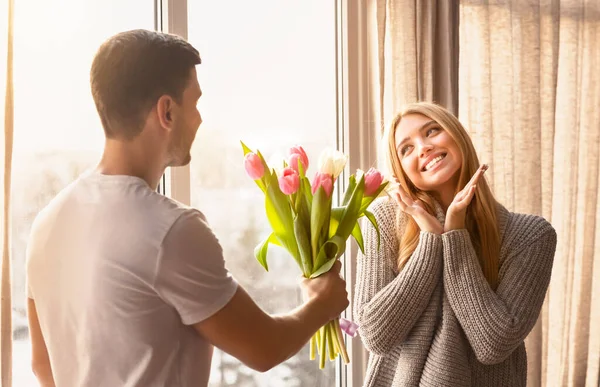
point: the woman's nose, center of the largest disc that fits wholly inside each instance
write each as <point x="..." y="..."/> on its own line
<point x="425" y="149"/>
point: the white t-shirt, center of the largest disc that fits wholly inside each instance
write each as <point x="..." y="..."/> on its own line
<point x="118" y="273"/>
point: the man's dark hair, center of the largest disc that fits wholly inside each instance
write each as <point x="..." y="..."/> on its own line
<point x="131" y="70"/>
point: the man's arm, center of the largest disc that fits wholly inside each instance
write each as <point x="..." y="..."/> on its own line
<point x="262" y="341"/>
<point x="191" y="276"/>
<point x="40" y="362"/>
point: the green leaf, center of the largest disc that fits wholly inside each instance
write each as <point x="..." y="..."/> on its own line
<point x="279" y="214"/>
<point x="367" y="200"/>
<point x="357" y="234"/>
<point x="264" y="163"/>
<point x="245" y="148"/>
<point x="301" y="203"/>
<point x="301" y="234"/>
<point x="351" y="211"/>
<point x="260" y="252"/>
<point x="369" y="215"/>
<point x="334" y="221"/>
<point x="328" y="253"/>
<point x="303" y="206"/>
<point x="307" y="193"/>
<point x="261" y="185"/>
<point x="319" y="215"/>
<point x="349" y="190"/>
<point x="324" y="268"/>
<point x="248" y="150"/>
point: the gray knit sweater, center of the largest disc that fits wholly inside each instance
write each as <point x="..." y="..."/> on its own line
<point x="438" y="322"/>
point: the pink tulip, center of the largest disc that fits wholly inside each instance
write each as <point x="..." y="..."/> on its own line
<point x="289" y="181"/>
<point x="323" y="180"/>
<point x="254" y="166"/>
<point x="298" y="153"/>
<point x="373" y="179"/>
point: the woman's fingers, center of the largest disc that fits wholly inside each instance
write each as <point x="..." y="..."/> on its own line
<point x="405" y="197"/>
<point x="462" y="202"/>
<point x="469" y="195"/>
<point x="405" y="202"/>
<point x="477" y="175"/>
<point x="404" y="207"/>
<point x="401" y="204"/>
<point x="469" y="188"/>
<point x="416" y="209"/>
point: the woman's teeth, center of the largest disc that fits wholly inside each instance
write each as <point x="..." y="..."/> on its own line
<point x="433" y="162"/>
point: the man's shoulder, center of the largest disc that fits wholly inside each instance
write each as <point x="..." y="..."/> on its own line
<point x="121" y="201"/>
<point x="173" y="215"/>
<point x="54" y="207"/>
<point x="190" y="225"/>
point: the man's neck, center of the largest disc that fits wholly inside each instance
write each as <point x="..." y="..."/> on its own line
<point x="131" y="158"/>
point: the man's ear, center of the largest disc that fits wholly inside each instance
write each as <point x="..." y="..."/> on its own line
<point x="164" y="111"/>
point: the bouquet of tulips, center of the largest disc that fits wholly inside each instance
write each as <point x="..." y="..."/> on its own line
<point x="305" y="223"/>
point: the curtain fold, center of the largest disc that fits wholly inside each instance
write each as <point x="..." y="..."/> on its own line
<point x="416" y="54"/>
<point x="524" y="78"/>
<point x="6" y="142"/>
<point x="529" y="92"/>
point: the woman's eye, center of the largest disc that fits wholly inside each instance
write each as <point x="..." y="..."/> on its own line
<point x="430" y="131"/>
<point x="405" y="149"/>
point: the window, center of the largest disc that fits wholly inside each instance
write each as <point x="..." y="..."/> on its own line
<point x="57" y="132"/>
<point x="268" y="77"/>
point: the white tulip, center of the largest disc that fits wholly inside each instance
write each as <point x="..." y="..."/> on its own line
<point x="332" y="162"/>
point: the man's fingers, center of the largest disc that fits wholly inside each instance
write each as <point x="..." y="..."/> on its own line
<point x="337" y="267"/>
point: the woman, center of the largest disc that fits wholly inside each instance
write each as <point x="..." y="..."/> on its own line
<point x="458" y="281"/>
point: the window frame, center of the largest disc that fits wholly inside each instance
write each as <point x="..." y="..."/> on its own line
<point x="356" y="132"/>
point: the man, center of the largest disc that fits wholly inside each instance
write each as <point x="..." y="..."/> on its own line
<point x="127" y="287"/>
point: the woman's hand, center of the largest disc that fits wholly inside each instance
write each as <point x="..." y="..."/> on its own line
<point x="456" y="214"/>
<point x="415" y="208"/>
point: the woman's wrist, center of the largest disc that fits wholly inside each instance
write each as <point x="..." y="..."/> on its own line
<point x="454" y="222"/>
<point x="431" y="228"/>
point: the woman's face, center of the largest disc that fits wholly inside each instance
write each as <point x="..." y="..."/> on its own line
<point x="428" y="154"/>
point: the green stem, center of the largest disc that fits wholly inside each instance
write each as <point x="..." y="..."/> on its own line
<point x="318" y="341"/>
<point x="323" y="347"/>
<point x="340" y="340"/>
<point x="330" y="339"/>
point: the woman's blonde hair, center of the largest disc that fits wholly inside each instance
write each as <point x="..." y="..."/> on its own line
<point x="481" y="220"/>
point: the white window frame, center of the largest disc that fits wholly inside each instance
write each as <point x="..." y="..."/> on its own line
<point x="172" y="17"/>
<point x="357" y="130"/>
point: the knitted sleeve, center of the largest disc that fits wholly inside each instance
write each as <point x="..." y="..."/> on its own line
<point x="496" y="323"/>
<point x="387" y="305"/>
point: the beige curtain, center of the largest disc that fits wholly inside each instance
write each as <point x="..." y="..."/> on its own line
<point x="528" y="86"/>
<point x="529" y="91"/>
<point x="6" y="118"/>
<point x="414" y="47"/>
